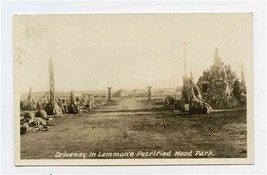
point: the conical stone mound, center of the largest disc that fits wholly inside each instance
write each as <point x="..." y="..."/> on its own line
<point x="190" y="91"/>
<point x="52" y="108"/>
<point x="73" y="107"/>
<point x="191" y="96"/>
<point x="30" y="103"/>
<point x="217" y="84"/>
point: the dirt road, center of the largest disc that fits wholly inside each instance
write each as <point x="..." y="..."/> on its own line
<point x="124" y="106"/>
<point x="134" y="124"/>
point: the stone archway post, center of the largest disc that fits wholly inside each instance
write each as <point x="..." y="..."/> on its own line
<point x="149" y="92"/>
<point x="109" y="93"/>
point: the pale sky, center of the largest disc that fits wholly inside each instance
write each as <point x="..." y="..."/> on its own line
<point x="92" y="52"/>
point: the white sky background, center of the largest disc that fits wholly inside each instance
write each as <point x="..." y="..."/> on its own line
<point x="92" y="52"/>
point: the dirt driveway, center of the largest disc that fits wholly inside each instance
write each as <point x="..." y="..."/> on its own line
<point x="134" y="124"/>
<point x="124" y="106"/>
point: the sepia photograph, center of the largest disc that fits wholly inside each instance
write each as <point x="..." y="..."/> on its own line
<point x="133" y="89"/>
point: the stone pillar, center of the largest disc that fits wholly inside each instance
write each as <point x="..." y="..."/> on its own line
<point x="109" y="93"/>
<point x="149" y="92"/>
<point x="90" y="103"/>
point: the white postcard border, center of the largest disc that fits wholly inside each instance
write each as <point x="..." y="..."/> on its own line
<point x="92" y="7"/>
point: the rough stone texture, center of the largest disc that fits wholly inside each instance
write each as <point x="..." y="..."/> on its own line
<point x="199" y="107"/>
<point x="72" y="98"/>
<point x="173" y="101"/>
<point x="185" y="107"/>
<point x="191" y="91"/>
<point x="73" y="108"/>
<point x="219" y="80"/>
<point x="30" y="115"/>
<point x="24" y="128"/>
<point x="41" y="114"/>
<point x="192" y="100"/>
<point x="39" y="121"/>
<point x="53" y="108"/>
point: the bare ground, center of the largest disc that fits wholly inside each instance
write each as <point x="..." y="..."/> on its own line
<point x="133" y="124"/>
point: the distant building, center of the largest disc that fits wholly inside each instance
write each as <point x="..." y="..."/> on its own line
<point x="160" y="93"/>
<point x="135" y="91"/>
<point x="78" y="94"/>
<point x="121" y="93"/>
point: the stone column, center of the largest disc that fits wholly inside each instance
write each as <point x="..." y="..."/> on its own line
<point x="109" y="93"/>
<point x="149" y="92"/>
<point x="90" y="103"/>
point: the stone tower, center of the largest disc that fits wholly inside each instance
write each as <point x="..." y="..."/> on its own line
<point x="217" y="84"/>
<point x="51" y="81"/>
<point x="217" y="58"/>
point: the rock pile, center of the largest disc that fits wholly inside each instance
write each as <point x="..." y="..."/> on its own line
<point x="52" y="108"/>
<point x="190" y="101"/>
<point x="30" y="122"/>
<point x="173" y="101"/>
